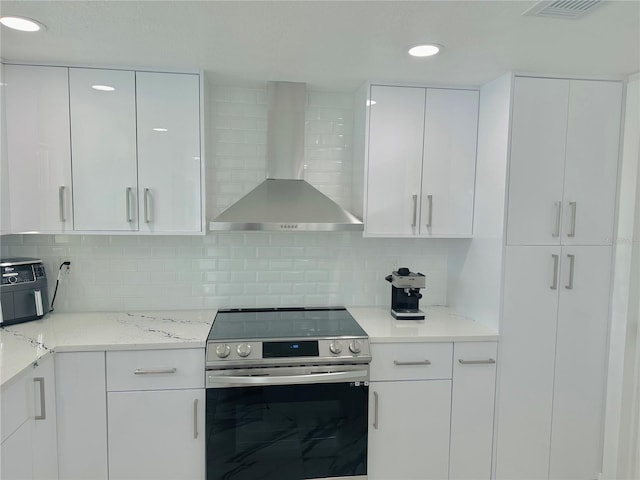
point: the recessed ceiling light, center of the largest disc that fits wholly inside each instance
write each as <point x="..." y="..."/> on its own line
<point x="425" y="50"/>
<point x="103" y="88"/>
<point x="21" y="23"/>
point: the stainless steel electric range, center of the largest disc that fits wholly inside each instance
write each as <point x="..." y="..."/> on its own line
<point x="287" y="395"/>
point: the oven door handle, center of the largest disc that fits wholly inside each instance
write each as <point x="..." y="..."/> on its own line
<point x="332" y="377"/>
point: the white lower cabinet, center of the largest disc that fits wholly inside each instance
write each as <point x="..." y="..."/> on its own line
<point x="82" y="415"/>
<point x="553" y="362"/>
<point x="409" y="430"/>
<point x="29" y="446"/>
<point x="156" y="411"/>
<point x="16" y="460"/>
<point x="431" y="411"/>
<point x="472" y="410"/>
<point x="157" y="435"/>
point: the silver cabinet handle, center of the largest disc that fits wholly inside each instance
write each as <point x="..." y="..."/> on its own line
<point x="375" y="410"/>
<point x="554" y="285"/>
<point x="572" y="262"/>
<point x="146" y="206"/>
<point x="195" y="419"/>
<point x="404" y="364"/>
<point x="37" y="294"/>
<point x="43" y="411"/>
<point x="415" y="209"/>
<point x="219" y="381"/>
<point x="556" y="233"/>
<point x="154" y="371"/>
<point x="573" y="206"/>
<point x="61" y="203"/>
<point x="430" y="210"/>
<point x="488" y="361"/>
<point x="128" y="198"/>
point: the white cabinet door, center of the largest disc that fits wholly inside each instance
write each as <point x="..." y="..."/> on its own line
<point x="45" y="439"/>
<point x="472" y="407"/>
<point x="16" y="456"/>
<point x="168" y="120"/>
<point x="581" y="363"/>
<point x="396" y="129"/>
<point x="157" y="435"/>
<point x="409" y="430"/>
<point x="591" y="168"/>
<point x="538" y="139"/>
<point x="82" y="415"/>
<point x="38" y="148"/>
<point x="527" y="353"/>
<point x="449" y="162"/>
<point x="103" y="146"/>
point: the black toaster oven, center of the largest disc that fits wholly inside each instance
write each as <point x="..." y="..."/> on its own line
<point x="23" y="291"/>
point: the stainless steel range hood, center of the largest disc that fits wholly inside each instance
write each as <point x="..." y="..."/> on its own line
<point x="284" y="201"/>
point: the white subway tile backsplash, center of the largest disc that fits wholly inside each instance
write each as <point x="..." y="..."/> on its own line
<point x="243" y="269"/>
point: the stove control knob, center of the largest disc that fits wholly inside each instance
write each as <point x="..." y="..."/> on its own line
<point x="355" y="347"/>
<point x="223" y="350"/>
<point x="244" y="349"/>
<point x="335" y="347"/>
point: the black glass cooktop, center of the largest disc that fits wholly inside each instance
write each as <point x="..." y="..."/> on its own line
<point x="272" y="323"/>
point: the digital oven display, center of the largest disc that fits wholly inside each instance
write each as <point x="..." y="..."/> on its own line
<point x="307" y="348"/>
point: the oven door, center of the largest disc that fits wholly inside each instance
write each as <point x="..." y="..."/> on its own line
<point x="287" y="423"/>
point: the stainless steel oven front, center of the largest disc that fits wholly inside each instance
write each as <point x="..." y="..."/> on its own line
<point x="287" y="423"/>
<point x="285" y="408"/>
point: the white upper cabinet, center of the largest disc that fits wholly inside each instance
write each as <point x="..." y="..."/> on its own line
<point x="421" y="156"/>
<point x="591" y="166"/>
<point x="449" y="162"/>
<point x="169" y="165"/>
<point x="396" y="129"/>
<point x="103" y="145"/>
<point x="564" y="160"/>
<point x="38" y="148"/>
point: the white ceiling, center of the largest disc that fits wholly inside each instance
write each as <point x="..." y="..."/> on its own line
<point x="334" y="45"/>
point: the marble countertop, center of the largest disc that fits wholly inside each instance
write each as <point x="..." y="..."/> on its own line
<point x="23" y="344"/>
<point x="441" y="324"/>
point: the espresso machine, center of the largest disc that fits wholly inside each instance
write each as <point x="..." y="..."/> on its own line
<point x="405" y="294"/>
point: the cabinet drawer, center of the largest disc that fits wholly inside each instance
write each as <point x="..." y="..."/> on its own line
<point x="411" y="361"/>
<point x="155" y="369"/>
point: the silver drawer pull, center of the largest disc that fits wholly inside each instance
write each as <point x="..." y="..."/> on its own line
<point x="488" y="361"/>
<point x="404" y="364"/>
<point x="61" y="203"/>
<point x="156" y="371"/>
<point x="415" y="209"/>
<point x="556" y="232"/>
<point x="195" y="419"/>
<point x="43" y="402"/>
<point x="573" y="206"/>
<point x="430" y="217"/>
<point x="375" y="410"/>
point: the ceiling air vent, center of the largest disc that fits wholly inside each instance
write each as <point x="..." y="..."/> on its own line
<point x="563" y="8"/>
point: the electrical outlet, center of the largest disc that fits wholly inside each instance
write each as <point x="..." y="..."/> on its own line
<point x="66" y="270"/>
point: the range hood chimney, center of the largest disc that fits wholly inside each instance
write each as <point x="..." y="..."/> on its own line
<point x="284" y="201"/>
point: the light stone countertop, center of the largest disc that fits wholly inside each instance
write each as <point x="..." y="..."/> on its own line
<point x="441" y="324"/>
<point x="23" y="344"/>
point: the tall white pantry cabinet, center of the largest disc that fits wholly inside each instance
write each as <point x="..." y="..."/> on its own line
<point x="561" y="197"/>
